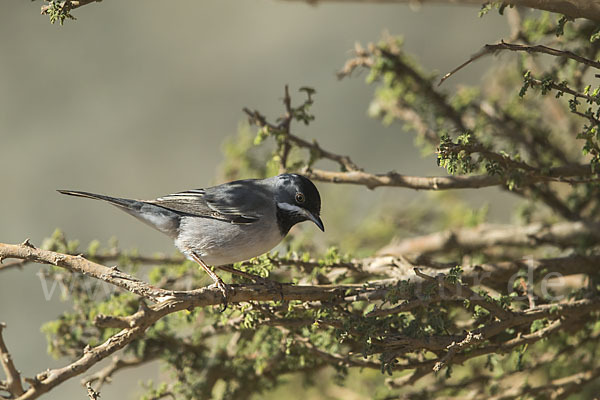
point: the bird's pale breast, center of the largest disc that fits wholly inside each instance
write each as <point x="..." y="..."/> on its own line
<point x="219" y="242"/>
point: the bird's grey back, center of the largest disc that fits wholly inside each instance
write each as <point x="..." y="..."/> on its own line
<point x="236" y="202"/>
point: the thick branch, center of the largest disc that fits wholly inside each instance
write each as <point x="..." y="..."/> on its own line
<point x="484" y="236"/>
<point x="394" y="179"/>
<point x="135" y="325"/>
<point x="168" y="302"/>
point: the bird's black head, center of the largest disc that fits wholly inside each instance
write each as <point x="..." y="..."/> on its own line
<point x="297" y="200"/>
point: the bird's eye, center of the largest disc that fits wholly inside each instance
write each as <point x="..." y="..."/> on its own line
<point x="300" y="198"/>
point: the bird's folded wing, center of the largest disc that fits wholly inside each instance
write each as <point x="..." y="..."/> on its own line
<point x="236" y="203"/>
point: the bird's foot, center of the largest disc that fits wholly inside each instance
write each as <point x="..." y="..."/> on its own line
<point x="225" y="292"/>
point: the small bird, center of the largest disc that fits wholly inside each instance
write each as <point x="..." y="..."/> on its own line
<point x="227" y="223"/>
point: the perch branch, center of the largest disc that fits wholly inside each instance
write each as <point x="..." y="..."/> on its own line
<point x="169" y="302"/>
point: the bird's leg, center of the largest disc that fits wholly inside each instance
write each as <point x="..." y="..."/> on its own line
<point x="218" y="281"/>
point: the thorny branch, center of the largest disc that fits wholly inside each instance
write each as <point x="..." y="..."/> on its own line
<point x="350" y="173"/>
<point x="259" y="120"/>
<point x="167" y="302"/>
<point x="353" y="174"/>
<point x="495" y="48"/>
<point x="567" y="174"/>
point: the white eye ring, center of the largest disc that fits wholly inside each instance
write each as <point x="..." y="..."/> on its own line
<point x="300" y="198"/>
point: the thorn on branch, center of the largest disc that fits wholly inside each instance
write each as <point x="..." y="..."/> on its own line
<point x="27" y="243"/>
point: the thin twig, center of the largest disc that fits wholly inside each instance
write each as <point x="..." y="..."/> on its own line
<point x="495" y="48"/>
<point x="259" y="120"/>
<point x="13" y="383"/>
<point x="562" y="88"/>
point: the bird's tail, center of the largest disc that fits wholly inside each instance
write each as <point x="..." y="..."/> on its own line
<point x="157" y="217"/>
<point x="123" y="203"/>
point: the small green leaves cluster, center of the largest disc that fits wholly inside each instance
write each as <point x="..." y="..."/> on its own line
<point x="454" y="275"/>
<point x="59" y="11"/>
<point x="489" y="5"/>
<point x="455" y="156"/>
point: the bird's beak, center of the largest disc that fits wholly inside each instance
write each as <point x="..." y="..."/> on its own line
<point x="316" y="219"/>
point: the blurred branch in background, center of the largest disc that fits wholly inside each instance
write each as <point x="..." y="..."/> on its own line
<point x="588" y="9"/>
<point x="435" y="297"/>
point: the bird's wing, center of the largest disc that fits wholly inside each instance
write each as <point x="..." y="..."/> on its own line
<point x="241" y="202"/>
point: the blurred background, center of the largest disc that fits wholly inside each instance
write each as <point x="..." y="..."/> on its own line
<point x="136" y="98"/>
